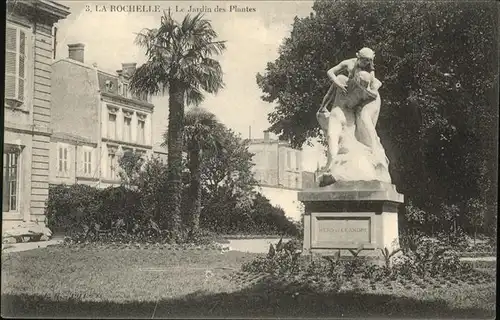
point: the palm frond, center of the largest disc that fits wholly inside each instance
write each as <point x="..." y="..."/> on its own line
<point x="150" y="78"/>
<point x="180" y="52"/>
<point x="194" y="96"/>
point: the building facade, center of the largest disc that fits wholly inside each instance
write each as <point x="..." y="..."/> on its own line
<point x="96" y="120"/>
<point x="278" y="171"/>
<point x="277" y="164"/>
<point x="29" y="54"/>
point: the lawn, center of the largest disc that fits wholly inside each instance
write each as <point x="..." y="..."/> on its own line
<point x="90" y="282"/>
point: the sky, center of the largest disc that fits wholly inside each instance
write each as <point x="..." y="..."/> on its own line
<point x="253" y="39"/>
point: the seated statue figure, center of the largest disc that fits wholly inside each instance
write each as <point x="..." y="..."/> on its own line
<point x="354" y="150"/>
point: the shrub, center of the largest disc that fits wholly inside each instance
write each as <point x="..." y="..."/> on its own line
<point x="425" y="256"/>
<point x="112" y="214"/>
<point x="282" y="259"/>
<point x="223" y="215"/>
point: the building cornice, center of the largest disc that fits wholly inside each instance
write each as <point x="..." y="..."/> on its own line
<point x="56" y="9"/>
<point x="115" y="98"/>
<point x="127" y="144"/>
<point x="27" y="129"/>
<point x="84" y="178"/>
<point x="40" y="9"/>
<point x="58" y="137"/>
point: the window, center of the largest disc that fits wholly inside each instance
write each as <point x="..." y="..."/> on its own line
<point x="141" y="132"/>
<point x="289" y="160"/>
<point x="15" y="63"/>
<point x="112" y="126"/>
<point x="297" y="161"/>
<point x="62" y="160"/>
<point x="10" y="190"/>
<point x="127" y="128"/>
<point x="112" y="163"/>
<point x="141" y="96"/>
<point x="87" y="162"/>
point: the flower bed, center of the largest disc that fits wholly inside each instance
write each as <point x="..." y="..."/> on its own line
<point x="423" y="266"/>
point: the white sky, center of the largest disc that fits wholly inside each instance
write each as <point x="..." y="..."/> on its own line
<point x="252" y="41"/>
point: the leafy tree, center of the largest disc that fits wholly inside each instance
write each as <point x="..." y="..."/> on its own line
<point x="148" y="178"/>
<point x="271" y="219"/>
<point x="476" y="216"/>
<point x="179" y="63"/>
<point x="230" y="169"/>
<point x="131" y="164"/>
<point x="438" y="62"/>
<point x="228" y="182"/>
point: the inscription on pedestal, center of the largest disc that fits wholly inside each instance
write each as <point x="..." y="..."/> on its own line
<point x="335" y="231"/>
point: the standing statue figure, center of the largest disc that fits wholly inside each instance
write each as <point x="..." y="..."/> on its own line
<point x="354" y="150"/>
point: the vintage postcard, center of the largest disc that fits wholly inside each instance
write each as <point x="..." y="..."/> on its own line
<point x="251" y="159"/>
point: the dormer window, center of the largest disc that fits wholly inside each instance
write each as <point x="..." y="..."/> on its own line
<point x="109" y="85"/>
<point x="125" y="90"/>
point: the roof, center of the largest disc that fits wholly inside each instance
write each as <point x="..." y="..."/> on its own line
<point x="102" y="77"/>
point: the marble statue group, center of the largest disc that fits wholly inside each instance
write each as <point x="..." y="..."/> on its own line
<point x="348" y="116"/>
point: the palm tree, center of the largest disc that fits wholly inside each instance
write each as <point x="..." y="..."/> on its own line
<point x="180" y="64"/>
<point x="202" y="132"/>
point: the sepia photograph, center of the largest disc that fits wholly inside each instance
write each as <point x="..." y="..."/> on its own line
<point x="250" y="159"/>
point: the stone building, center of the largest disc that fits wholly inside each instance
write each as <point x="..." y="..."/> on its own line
<point x="29" y="53"/>
<point x="278" y="170"/>
<point x="277" y="164"/>
<point x="96" y="120"/>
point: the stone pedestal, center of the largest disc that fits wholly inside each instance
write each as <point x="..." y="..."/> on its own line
<point x="348" y="215"/>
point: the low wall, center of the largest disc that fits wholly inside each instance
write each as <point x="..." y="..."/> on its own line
<point x="253" y="245"/>
<point x="284" y="198"/>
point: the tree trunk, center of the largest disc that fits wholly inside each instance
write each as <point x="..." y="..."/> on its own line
<point x="195" y="188"/>
<point x="173" y="192"/>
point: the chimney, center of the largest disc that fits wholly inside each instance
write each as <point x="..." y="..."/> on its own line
<point x="76" y="51"/>
<point x="266" y="135"/>
<point x="128" y="69"/>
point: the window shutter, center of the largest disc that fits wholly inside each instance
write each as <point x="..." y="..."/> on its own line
<point x="65" y="159"/>
<point x="22" y="42"/>
<point x="5" y="191"/>
<point x="15" y="63"/>
<point x="10" y="70"/>
<point x="60" y="159"/>
<point x="10" y="39"/>
<point x="10" y="86"/>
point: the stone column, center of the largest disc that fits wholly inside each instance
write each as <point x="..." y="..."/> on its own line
<point x="133" y="137"/>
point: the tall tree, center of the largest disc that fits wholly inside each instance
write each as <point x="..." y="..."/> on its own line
<point x="179" y="63"/>
<point x="202" y="132"/>
<point x="230" y="169"/>
<point x="228" y="183"/>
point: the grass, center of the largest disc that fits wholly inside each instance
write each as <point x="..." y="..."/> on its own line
<point x="89" y="282"/>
